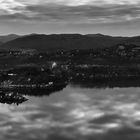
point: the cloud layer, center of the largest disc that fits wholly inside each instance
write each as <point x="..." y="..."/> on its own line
<point x="108" y="114"/>
<point x="70" y="11"/>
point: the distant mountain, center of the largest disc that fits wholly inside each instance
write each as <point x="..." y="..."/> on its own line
<point x="106" y="36"/>
<point x="55" y="42"/>
<point x="9" y="37"/>
<point x="97" y="35"/>
<point x="133" y="40"/>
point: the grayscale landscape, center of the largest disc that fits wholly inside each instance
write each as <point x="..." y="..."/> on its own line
<point x="69" y="69"/>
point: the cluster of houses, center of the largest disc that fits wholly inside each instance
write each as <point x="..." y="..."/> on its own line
<point x="18" y="52"/>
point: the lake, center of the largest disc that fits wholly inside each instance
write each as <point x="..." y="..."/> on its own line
<point x="74" y="113"/>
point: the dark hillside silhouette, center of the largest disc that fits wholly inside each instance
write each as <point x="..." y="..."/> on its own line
<point x="63" y="41"/>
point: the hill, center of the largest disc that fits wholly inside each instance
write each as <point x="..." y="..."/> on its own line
<point x="133" y="40"/>
<point x="55" y="42"/>
<point x="7" y="38"/>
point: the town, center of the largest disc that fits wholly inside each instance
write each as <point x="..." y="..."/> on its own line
<point x="27" y="71"/>
<point x="34" y="67"/>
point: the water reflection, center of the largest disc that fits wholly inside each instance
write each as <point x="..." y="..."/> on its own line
<point x="16" y="95"/>
<point x="83" y="113"/>
<point x="104" y="83"/>
<point x="11" y="98"/>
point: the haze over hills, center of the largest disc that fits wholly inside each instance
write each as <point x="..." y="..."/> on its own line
<point x="9" y="37"/>
<point x="42" y="42"/>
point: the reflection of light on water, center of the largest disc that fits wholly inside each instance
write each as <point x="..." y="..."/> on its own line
<point x="86" y="114"/>
<point x="72" y="113"/>
<point x="93" y="107"/>
<point x="59" y="105"/>
<point x="88" y="109"/>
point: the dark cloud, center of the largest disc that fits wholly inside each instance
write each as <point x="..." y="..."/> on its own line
<point x="73" y="17"/>
<point x="77" y="14"/>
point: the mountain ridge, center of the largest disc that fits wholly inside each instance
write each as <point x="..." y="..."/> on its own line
<point x="60" y="41"/>
<point x="53" y="42"/>
<point x="9" y="37"/>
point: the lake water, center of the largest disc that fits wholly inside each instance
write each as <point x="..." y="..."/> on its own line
<point x="74" y="113"/>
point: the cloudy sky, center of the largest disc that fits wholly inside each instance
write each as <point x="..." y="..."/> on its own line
<point x="113" y="17"/>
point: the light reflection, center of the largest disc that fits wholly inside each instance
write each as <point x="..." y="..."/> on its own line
<point x="73" y="113"/>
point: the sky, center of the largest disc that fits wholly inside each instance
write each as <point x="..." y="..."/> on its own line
<point x="112" y="17"/>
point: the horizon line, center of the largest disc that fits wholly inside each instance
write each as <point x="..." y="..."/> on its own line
<point x="67" y="34"/>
